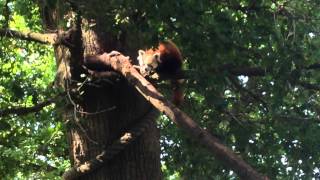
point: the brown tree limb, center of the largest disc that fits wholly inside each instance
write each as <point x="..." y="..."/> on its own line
<point x="238" y="71"/>
<point x="43" y="38"/>
<point x="26" y="110"/>
<point x="122" y="64"/>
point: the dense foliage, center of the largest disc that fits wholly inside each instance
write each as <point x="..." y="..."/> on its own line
<point x="32" y="145"/>
<point x="269" y="116"/>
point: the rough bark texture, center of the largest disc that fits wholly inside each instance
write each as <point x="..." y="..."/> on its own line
<point x="104" y="111"/>
<point x="139" y="160"/>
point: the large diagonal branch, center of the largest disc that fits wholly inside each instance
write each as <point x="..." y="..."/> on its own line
<point x="43" y="38"/>
<point x="122" y="64"/>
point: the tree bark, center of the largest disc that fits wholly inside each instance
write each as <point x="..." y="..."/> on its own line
<point x="97" y="115"/>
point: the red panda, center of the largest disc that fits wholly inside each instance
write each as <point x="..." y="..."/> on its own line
<point x="166" y="60"/>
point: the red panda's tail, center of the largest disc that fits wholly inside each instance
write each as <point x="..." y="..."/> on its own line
<point x="178" y="94"/>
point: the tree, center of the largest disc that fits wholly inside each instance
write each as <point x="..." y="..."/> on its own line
<point x="251" y="81"/>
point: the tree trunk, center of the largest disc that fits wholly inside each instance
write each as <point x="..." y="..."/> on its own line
<point x="99" y="112"/>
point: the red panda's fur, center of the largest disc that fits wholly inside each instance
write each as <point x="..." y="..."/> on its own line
<point x="165" y="60"/>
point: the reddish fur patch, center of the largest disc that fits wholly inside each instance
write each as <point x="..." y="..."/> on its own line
<point x="178" y="97"/>
<point x="169" y="48"/>
<point x="177" y="93"/>
<point x="148" y="56"/>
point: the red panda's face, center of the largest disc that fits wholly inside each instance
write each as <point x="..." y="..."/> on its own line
<point x="148" y="60"/>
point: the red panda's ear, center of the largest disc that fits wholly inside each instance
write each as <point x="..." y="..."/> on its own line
<point x="141" y="52"/>
<point x="156" y="56"/>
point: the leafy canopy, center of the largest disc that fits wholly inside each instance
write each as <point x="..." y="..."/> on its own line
<point x="270" y="118"/>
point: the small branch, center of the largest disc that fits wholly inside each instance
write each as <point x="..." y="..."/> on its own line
<point x="313" y="66"/>
<point x="258" y="71"/>
<point x="122" y="64"/>
<point x="245" y="71"/>
<point x="254" y="71"/>
<point x="296" y="120"/>
<point x="98" y="112"/>
<point x="6" y="14"/>
<point x="250" y="93"/>
<point x="309" y="86"/>
<point x="47" y="167"/>
<point x="43" y="38"/>
<point x="26" y="110"/>
<point x="233" y="117"/>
